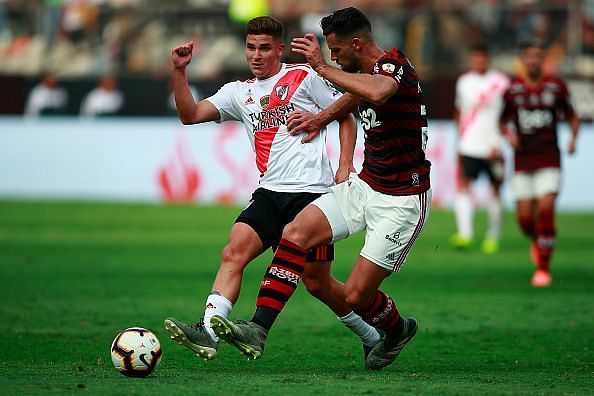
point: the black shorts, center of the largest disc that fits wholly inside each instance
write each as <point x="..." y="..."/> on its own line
<point x="473" y="167"/>
<point x="269" y="212"/>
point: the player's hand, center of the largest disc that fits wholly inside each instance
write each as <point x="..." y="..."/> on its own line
<point x="303" y="121"/>
<point x="343" y="172"/>
<point x="571" y="145"/>
<point x="309" y="47"/>
<point x="182" y="55"/>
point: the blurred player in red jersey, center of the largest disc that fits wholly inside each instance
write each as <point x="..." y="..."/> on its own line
<point x="478" y="106"/>
<point x="390" y="198"/>
<point x="291" y="175"/>
<point x="535" y="104"/>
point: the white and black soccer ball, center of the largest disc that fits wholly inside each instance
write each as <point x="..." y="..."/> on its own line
<point x="136" y="352"/>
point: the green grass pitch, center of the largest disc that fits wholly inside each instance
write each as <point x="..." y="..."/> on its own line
<point x="72" y="275"/>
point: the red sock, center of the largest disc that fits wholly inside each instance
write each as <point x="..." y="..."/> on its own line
<point x="381" y="313"/>
<point x="545" y="236"/>
<point x="279" y="283"/>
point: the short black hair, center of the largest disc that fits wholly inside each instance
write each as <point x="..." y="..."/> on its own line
<point x="529" y="42"/>
<point x="346" y="22"/>
<point x="480" y="47"/>
<point x="266" y="25"/>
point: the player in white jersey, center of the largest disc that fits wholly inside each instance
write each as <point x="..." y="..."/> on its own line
<point x="294" y="171"/>
<point x="478" y="105"/>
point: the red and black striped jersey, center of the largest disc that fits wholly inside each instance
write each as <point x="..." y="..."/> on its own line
<point x="535" y="110"/>
<point x="396" y="132"/>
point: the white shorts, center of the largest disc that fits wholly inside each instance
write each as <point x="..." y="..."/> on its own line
<point x="536" y="184"/>
<point x="393" y="223"/>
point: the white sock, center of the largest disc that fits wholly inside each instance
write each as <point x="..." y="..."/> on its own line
<point x="368" y="334"/>
<point x="464" y="213"/>
<point x="215" y="305"/>
<point x="494" y="211"/>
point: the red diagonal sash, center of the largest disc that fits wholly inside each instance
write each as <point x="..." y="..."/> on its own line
<point x="263" y="139"/>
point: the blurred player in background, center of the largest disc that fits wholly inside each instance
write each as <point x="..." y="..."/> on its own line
<point x="292" y="174"/>
<point x="389" y="199"/>
<point x="47" y="98"/>
<point x="478" y="106"/>
<point x="104" y="100"/>
<point x="535" y="104"/>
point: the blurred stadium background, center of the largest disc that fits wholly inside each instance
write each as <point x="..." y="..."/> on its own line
<point x="83" y="40"/>
<point x="69" y="267"/>
<point x="142" y="153"/>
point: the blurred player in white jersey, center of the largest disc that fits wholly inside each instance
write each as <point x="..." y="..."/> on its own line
<point x="294" y="171"/>
<point x="478" y="105"/>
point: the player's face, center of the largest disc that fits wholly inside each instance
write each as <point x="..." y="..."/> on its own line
<point x="343" y="53"/>
<point x="263" y="54"/>
<point x="479" y="61"/>
<point x="533" y="58"/>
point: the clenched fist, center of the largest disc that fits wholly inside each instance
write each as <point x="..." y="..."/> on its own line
<point x="182" y="55"/>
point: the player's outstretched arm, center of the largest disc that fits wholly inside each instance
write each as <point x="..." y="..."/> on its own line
<point x="374" y="88"/>
<point x="189" y="111"/>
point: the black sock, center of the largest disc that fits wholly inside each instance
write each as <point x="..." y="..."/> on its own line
<point x="265" y="317"/>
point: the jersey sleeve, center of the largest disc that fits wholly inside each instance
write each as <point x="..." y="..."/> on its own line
<point x="564" y="105"/>
<point x="224" y="101"/>
<point x="322" y="91"/>
<point x="396" y="65"/>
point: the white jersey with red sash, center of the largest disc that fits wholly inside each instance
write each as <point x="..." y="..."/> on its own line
<point x="263" y="105"/>
<point x="479" y="99"/>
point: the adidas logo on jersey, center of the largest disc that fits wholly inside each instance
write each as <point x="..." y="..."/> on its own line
<point x="249" y="100"/>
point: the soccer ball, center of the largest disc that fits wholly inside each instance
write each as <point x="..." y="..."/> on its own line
<point x="136" y="352"/>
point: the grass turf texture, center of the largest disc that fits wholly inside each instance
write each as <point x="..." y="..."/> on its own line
<point x="72" y="275"/>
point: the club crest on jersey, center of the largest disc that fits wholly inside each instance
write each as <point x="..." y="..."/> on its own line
<point x="282" y="92"/>
<point x="265" y="101"/>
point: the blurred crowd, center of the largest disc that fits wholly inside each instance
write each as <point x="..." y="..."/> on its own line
<point x="55" y="51"/>
<point x="73" y="38"/>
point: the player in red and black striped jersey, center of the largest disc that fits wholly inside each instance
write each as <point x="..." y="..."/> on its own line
<point x="396" y="132"/>
<point x="389" y="199"/>
<point x="535" y="104"/>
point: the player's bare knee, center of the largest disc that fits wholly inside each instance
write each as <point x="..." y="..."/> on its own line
<point x="233" y="259"/>
<point x="295" y="234"/>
